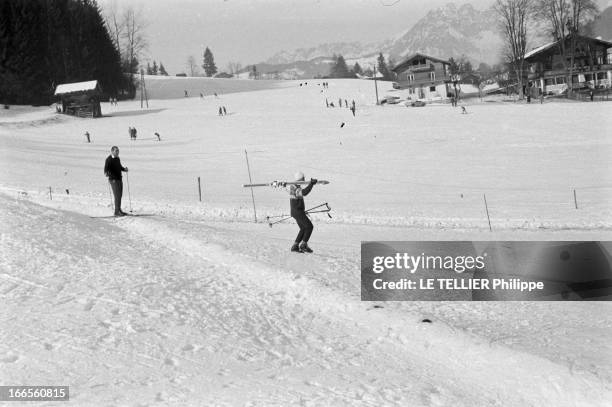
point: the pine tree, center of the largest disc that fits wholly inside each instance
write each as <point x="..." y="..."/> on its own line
<point x="47" y="42"/>
<point x="149" y="70"/>
<point x="382" y="67"/>
<point x="339" y="68"/>
<point x="357" y="69"/>
<point x="155" y="68"/>
<point x="454" y="66"/>
<point x="162" y="70"/>
<point x="209" y="63"/>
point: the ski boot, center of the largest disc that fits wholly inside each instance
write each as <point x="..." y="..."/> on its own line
<point x="296" y="248"/>
<point x="304" y="248"/>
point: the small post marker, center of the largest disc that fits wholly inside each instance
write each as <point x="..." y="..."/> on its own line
<point x="199" y="189"/>
<point x="487" y="209"/>
<point x="251" y="181"/>
<point x="50" y="196"/>
<point x="575" y="199"/>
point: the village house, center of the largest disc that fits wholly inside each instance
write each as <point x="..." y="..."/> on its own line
<point x="80" y="98"/>
<point x="424" y="77"/>
<point x="592" y="67"/>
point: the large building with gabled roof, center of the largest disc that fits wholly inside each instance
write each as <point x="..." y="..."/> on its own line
<point x="425" y="77"/>
<point x="592" y="66"/>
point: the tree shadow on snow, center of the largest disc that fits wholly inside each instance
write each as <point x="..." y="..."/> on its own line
<point x="134" y="112"/>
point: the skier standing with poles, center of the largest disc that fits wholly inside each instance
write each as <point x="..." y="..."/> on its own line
<point x="113" y="169"/>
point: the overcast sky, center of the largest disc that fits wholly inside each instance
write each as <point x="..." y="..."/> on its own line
<point x="249" y="31"/>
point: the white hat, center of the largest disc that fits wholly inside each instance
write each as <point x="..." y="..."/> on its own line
<point x="299" y="176"/>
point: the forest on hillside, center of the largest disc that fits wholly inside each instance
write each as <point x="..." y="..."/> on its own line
<point x="47" y="42"/>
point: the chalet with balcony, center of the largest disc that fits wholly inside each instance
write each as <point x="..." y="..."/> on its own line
<point x="424" y="77"/>
<point x="592" y="66"/>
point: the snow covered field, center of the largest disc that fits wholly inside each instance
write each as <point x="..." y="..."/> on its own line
<point x="198" y="305"/>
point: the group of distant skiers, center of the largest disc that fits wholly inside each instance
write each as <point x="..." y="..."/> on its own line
<point x="346" y="104"/>
<point x="222" y="111"/>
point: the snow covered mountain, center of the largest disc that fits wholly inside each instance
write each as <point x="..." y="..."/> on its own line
<point x="448" y="31"/>
<point x="346" y="49"/>
<point x="452" y="31"/>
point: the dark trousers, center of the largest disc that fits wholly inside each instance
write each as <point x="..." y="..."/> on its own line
<point x="117" y="187"/>
<point x="305" y="226"/>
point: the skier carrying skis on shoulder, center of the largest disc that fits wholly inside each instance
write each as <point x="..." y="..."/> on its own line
<point x="298" y="212"/>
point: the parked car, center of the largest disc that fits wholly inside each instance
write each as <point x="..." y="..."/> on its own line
<point x="418" y="103"/>
<point x="392" y="100"/>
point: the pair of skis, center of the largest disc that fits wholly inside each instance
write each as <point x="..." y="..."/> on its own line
<point x="323" y="208"/>
<point x="276" y="184"/>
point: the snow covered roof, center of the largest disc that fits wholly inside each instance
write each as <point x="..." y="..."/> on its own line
<point x="540" y="49"/>
<point x="545" y="47"/>
<point x="418" y="55"/>
<point x="64" y="88"/>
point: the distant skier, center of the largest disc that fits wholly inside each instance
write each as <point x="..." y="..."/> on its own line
<point x="185" y="93"/>
<point x="353" y="108"/>
<point x="298" y="212"/>
<point x="113" y="169"/>
<point x="224" y="111"/>
<point x="339" y="102"/>
<point x="326" y="103"/>
<point x="346" y="103"/>
<point x="87" y="137"/>
<point x="158" y="136"/>
<point x="220" y="111"/>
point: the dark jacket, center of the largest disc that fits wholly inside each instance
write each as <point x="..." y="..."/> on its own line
<point x="113" y="168"/>
<point x="296" y="198"/>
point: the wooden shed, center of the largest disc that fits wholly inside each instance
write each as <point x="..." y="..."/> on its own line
<point x="80" y="98"/>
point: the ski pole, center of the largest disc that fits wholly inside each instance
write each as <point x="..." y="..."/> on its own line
<point x="321" y="211"/>
<point x="127" y="174"/>
<point x="278" y="221"/>
<point x="309" y="211"/>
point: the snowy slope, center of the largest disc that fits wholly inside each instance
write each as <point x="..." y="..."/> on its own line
<point x="198" y="305"/>
<point x="157" y="310"/>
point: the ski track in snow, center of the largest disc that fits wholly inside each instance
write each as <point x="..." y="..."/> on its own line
<point x="164" y="311"/>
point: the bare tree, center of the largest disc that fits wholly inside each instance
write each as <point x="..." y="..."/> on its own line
<point x="514" y="19"/>
<point x="565" y="19"/>
<point x="234" y="67"/>
<point x="135" y="41"/>
<point x="192" y="66"/>
<point x="114" y="25"/>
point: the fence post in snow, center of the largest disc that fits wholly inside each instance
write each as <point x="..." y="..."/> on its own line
<point x="199" y="189"/>
<point x="575" y="199"/>
<point x="246" y="156"/>
<point x="487" y="209"/>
